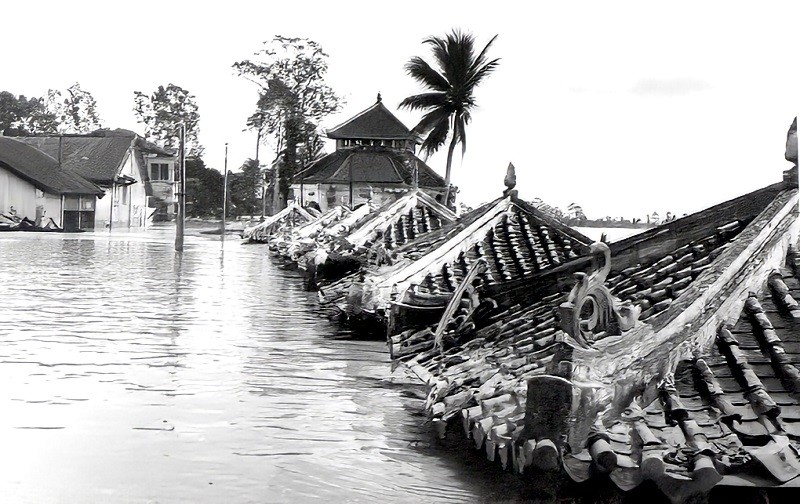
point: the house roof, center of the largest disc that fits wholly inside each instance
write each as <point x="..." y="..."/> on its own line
<point x="97" y="156"/>
<point x="42" y="170"/>
<point x="374" y="123"/>
<point x="366" y="164"/>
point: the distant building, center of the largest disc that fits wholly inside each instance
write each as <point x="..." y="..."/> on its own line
<point x="374" y="159"/>
<point x="33" y="185"/>
<point x="136" y="176"/>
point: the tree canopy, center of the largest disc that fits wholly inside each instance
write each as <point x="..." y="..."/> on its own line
<point x="451" y="81"/>
<point x="74" y="110"/>
<point x="203" y="189"/>
<point x="163" y="111"/>
<point x="71" y="111"/>
<point x="293" y="98"/>
<point x="245" y="189"/>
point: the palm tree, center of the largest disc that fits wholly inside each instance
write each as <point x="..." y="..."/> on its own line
<point x="452" y="84"/>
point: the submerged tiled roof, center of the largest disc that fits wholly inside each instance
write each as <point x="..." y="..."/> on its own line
<point x="724" y="416"/>
<point x="292" y="215"/>
<point x="42" y="170"/>
<point x="651" y="286"/>
<point x="374" y="123"/>
<point x="516" y="240"/>
<point x="409" y="248"/>
<point x="415" y="214"/>
<point x="731" y="415"/>
<point x="364" y="164"/>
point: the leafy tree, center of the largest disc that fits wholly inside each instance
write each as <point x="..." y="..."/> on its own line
<point x="20" y="116"/>
<point x="245" y="189"/>
<point x="575" y="211"/>
<point x="162" y="113"/>
<point x="73" y="111"/>
<point x="203" y="189"/>
<point x="293" y="99"/>
<point x="451" y="87"/>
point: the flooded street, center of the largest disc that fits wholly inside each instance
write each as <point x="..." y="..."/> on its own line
<point x="131" y="374"/>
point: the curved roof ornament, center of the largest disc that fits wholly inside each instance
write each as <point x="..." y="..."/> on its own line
<point x="591" y="312"/>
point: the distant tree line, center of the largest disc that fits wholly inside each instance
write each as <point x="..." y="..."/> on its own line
<point x="73" y="110"/>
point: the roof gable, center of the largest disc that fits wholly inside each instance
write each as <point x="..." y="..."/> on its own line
<point x="374" y="123"/>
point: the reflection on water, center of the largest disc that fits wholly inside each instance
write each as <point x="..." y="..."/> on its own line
<point x="132" y="374"/>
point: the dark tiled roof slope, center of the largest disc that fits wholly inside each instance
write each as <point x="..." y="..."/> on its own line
<point x="364" y="164"/>
<point x="521" y="243"/>
<point x="729" y="415"/>
<point x="651" y="286"/>
<point x="374" y="123"/>
<point x="42" y="170"/>
<point x="97" y="156"/>
<point x="410" y="248"/>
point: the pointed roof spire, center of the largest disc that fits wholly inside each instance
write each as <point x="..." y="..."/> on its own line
<point x="510" y="180"/>
<point x="379" y="97"/>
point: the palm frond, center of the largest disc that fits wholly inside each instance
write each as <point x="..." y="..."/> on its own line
<point x="482" y="72"/>
<point x="424" y="101"/>
<point x="422" y="72"/>
<point x="436" y="137"/>
<point x="451" y="80"/>
<point x="482" y="56"/>
<point x="430" y="120"/>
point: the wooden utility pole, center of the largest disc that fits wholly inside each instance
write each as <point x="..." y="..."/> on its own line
<point x="225" y="192"/>
<point x="263" y="179"/>
<point x="180" y="178"/>
<point x="276" y="189"/>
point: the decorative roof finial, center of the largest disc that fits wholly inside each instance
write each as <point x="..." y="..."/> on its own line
<point x="511" y="179"/>
<point x="790" y="176"/>
<point x="379" y="97"/>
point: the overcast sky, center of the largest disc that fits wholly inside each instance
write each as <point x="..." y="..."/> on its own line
<point x="622" y="107"/>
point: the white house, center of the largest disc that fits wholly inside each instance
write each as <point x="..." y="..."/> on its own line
<point x="33" y="185"/>
<point x="136" y="176"/>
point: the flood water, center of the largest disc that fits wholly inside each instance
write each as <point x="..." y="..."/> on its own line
<point x="129" y="373"/>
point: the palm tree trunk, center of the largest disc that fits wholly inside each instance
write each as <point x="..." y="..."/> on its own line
<point x="449" y="166"/>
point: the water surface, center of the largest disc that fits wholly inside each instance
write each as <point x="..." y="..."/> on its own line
<point x="130" y="373"/>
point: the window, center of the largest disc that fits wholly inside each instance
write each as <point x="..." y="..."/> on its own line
<point x="72" y="202"/>
<point x="79" y="212"/>
<point x="159" y="171"/>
